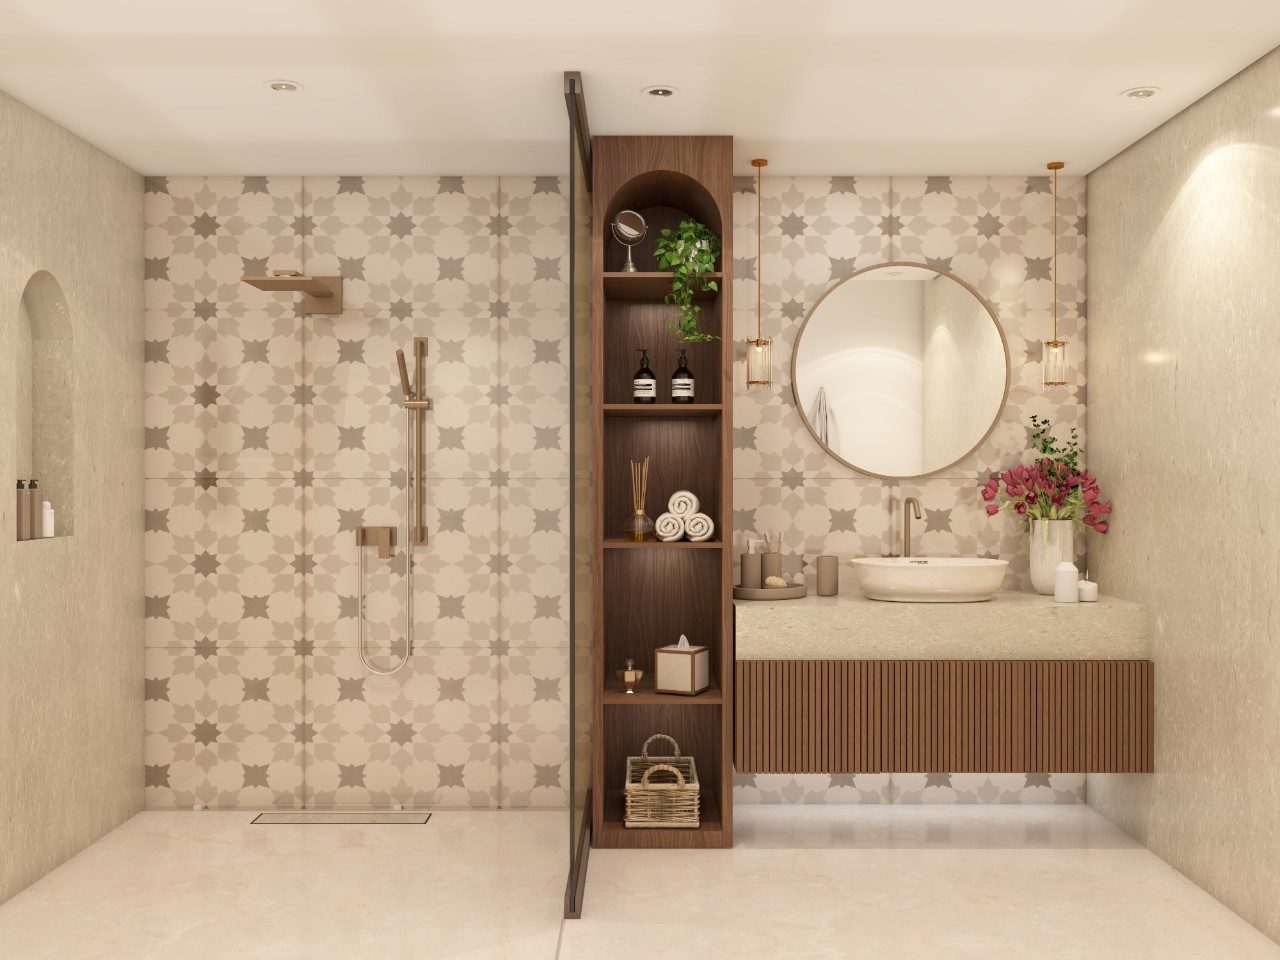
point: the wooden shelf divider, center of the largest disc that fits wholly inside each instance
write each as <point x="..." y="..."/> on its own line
<point x="647" y="594"/>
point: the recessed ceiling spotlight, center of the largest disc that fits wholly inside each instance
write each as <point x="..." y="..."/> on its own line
<point x="660" y="90"/>
<point x="1140" y="93"/>
<point x="284" y="86"/>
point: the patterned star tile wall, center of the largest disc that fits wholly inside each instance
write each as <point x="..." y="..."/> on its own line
<point x="996" y="233"/>
<point x="271" y="437"/>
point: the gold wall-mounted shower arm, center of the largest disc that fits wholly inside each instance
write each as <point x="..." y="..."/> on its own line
<point x="321" y="295"/>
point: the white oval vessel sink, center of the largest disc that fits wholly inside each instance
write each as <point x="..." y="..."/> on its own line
<point x="930" y="579"/>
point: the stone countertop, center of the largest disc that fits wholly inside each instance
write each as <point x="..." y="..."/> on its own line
<point x="1009" y="626"/>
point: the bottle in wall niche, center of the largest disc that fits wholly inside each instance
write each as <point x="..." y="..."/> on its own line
<point x="682" y="382"/>
<point x="46" y="519"/>
<point x="24" y="512"/>
<point x="35" y="509"/>
<point x="644" y="385"/>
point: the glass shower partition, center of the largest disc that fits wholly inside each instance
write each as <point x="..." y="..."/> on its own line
<point x="581" y="494"/>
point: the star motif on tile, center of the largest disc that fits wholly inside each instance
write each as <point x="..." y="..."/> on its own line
<point x="303" y="732"/>
<point x="744" y="438"/>
<point x="451" y="521"/>
<point x="255" y="438"/>
<point x="546" y="351"/>
<point x="841" y="267"/>
<point x="450" y="351"/>
<point x="303" y="225"/>
<point x="205" y="732"/>
<point x="255" y="608"/>
<point x="791" y="225"/>
<point x="349" y="520"/>
<point x="793" y="309"/>
<point x="156" y="608"/>
<point x="499" y="647"/>
<point x="499" y="309"/>
<point x="546" y="185"/>
<point x="546" y="521"/>
<point x="255" y="267"/>
<point x="303" y="564"/>
<point x="204" y="564"/>
<point x="155" y="438"/>
<point x="350" y="185"/>
<point x="744" y="268"/>
<point x="451" y="774"/>
<point x="546" y="608"/>
<point x="499" y="225"/>
<point x="451" y="607"/>
<point x="351" y="438"/>
<point x="205" y="309"/>
<point x="450" y="268"/>
<point x="844" y="780"/>
<point x="498" y="564"/>
<point x="401" y="733"/>
<point x="939" y="263"/>
<point x="499" y="732"/>
<point x="255" y="688"/>
<point x="155" y="688"/>
<point x="546" y="688"/>
<point x="205" y="225"/>
<point x="451" y="185"/>
<point x="1038" y="268"/>
<point x="937" y="185"/>
<point x="546" y="268"/>
<point x="744" y="185"/>
<point x="1038" y="780"/>
<point x="499" y="394"/>
<point x="400" y="225"/>
<point x="988" y="225"/>
<point x="348" y="607"/>
<point x="844" y="520"/>
<point x="744" y="519"/>
<point x="450" y="438"/>
<point x="255" y="521"/>
<point x="350" y="351"/>
<point x="303" y="647"/>
<point x="844" y="185"/>
<point x="255" y="351"/>
<point x="890" y="225"/>
<point x="351" y="268"/>
<point x="937" y="780"/>
<point x="546" y="438"/>
<point x="206" y="648"/>
<point x="546" y="775"/>
<point x="1082" y="225"/>
<point x="156" y="185"/>
<point x="937" y="520"/>
<point x="155" y="268"/>
<point x="451" y="688"/>
<point x="155" y="351"/>
<point x="155" y="521"/>
<point x="304" y="394"/>
<point x="792" y="479"/>
<point x="205" y="479"/>
<point x="350" y="775"/>
<point x="253" y="185"/>
<point x="255" y="774"/>
<point x="400" y="309"/>
<point x="350" y="688"/>
<point x="205" y="394"/>
<point x="1039" y="185"/>
<point x="156" y="775"/>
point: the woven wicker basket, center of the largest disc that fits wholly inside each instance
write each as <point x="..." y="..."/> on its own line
<point x="661" y="791"/>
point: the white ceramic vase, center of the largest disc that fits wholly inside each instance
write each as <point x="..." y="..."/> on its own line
<point x="1052" y="541"/>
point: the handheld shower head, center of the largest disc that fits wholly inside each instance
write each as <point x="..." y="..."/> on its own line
<point x="404" y="375"/>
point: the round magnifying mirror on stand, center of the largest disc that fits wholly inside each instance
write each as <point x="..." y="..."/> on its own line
<point x="629" y="229"/>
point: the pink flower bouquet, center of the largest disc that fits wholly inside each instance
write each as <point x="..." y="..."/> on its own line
<point x="1053" y="487"/>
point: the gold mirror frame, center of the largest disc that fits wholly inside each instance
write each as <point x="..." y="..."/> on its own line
<point x="1004" y="344"/>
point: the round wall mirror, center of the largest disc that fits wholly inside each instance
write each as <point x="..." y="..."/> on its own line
<point x="900" y="370"/>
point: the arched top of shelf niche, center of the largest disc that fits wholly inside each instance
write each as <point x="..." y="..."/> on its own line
<point x="663" y="198"/>
<point x="45" y="307"/>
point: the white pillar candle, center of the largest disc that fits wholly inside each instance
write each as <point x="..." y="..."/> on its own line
<point x="1088" y="591"/>
<point x="1066" y="582"/>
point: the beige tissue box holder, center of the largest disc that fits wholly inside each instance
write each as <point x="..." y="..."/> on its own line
<point x="683" y="670"/>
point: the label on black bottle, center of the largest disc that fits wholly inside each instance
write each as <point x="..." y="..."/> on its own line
<point x="644" y="388"/>
<point x="682" y="387"/>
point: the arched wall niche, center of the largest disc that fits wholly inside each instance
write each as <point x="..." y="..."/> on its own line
<point x="663" y="198"/>
<point x="44" y="396"/>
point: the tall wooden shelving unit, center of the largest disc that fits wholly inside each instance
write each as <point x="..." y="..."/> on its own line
<point x="650" y="593"/>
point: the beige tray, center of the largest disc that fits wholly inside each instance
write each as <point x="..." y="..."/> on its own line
<point x="770" y="593"/>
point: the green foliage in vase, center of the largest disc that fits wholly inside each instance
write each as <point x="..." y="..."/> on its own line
<point x="689" y="251"/>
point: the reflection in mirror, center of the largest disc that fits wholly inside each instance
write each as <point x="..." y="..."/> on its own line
<point x="900" y="370"/>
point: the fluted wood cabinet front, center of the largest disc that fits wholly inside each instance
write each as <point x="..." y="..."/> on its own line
<point x="981" y="716"/>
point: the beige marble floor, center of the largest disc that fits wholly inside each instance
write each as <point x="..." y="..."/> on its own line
<point x="883" y="882"/>
<point x="200" y="886"/>
<point x="889" y="882"/>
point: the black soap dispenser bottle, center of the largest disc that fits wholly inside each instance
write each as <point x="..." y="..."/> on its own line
<point x="644" y="385"/>
<point x="682" y="382"/>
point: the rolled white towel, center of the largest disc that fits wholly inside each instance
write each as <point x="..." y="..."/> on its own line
<point x="699" y="527"/>
<point x="683" y="503"/>
<point x="669" y="527"/>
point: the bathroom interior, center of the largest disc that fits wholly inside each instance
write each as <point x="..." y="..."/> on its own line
<point x="551" y="481"/>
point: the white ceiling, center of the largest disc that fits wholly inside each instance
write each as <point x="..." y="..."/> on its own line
<point x="474" y="86"/>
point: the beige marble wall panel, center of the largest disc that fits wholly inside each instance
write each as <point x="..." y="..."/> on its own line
<point x="71" y="634"/>
<point x="1183" y="432"/>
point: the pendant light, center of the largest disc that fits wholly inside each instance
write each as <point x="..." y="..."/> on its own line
<point x="1054" y="357"/>
<point x="759" y="350"/>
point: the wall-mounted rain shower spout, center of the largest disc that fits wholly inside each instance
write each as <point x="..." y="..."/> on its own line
<point x="415" y="405"/>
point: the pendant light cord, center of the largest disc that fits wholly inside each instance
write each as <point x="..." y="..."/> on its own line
<point x="1055" y="254"/>
<point x="759" y="270"/>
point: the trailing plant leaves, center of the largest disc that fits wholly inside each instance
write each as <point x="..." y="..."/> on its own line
<point x="689" y="251"/>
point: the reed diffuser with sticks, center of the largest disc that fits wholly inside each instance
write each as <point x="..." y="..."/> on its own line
<point x="638" y="527"/>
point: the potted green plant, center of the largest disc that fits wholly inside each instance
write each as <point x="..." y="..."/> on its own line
<point x="689" y="251"/>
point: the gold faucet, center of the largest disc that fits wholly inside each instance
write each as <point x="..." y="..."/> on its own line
<point x="914" y="504"/>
